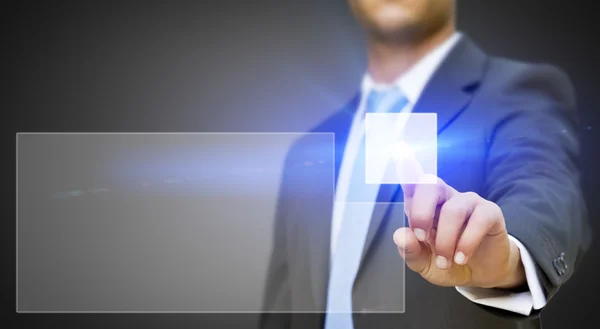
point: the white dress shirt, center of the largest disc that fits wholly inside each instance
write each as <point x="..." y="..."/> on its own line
<point x="412" y="84"/>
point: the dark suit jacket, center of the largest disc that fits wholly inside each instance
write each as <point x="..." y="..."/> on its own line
<point x="507" y="131"/>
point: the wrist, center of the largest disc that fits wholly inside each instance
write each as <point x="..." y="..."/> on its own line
<point x="516" y="277"/>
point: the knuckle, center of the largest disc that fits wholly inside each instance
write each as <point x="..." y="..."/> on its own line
<point x="471" y="196"/>
<point x="482" y="219"/>
<point x="454" y="208"/>
<point x="495" y="209"/>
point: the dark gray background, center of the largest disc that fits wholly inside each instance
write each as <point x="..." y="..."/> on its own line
<point x="245" y="66"/>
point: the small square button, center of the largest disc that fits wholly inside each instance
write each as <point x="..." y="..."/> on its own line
<point x="401" y="148"/>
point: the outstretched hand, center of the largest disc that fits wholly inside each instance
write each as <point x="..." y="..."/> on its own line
<point x="454" y="238"/>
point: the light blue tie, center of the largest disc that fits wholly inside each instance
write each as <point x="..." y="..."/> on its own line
<point x="358" y="209"/>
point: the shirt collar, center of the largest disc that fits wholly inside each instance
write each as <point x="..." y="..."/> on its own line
<point x="414" y="80"/>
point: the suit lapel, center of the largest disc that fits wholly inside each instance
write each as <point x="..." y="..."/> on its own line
<point x="447" y="93"/>
<point x="452" y="85"/>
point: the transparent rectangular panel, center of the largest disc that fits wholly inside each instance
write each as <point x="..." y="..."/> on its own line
<point x="379" y="280"/>
<point x="166" y="222"/>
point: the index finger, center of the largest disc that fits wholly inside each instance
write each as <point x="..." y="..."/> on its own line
<point x="423" y="193"/>
<point x="410" y="171"/>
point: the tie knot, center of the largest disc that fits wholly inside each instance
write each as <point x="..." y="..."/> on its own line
<point x="386" y="101"/>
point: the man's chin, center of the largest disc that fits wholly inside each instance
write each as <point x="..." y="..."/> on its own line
<point x="394" y="32"/>
<point x="392" y="29"/>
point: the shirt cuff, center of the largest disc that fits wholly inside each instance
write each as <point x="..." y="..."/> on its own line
<point x="522" y="302"/>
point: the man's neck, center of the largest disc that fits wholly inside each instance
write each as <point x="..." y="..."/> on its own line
<point x="388" y="61"/>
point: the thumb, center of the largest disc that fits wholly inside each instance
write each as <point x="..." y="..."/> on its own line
<point x="416" y="254"/>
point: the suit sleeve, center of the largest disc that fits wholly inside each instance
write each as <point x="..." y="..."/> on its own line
<point x="533" y="171"/>
<point x="276" y="299"/>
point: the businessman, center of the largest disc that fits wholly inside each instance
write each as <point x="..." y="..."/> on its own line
<point x="487" y="244"/>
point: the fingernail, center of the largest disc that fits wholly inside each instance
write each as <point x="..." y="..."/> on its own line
<point x="420" y="234"/>
<point x="441" y="262"/>
<point x="460" y="258"/>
